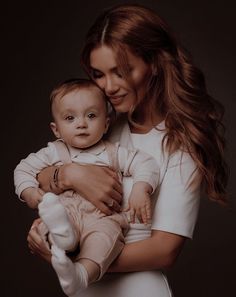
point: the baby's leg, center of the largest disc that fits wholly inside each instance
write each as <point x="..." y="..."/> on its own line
<point x="101" y="242"/>
<point x="73" y="277"/>
<point x="55" y="217"/>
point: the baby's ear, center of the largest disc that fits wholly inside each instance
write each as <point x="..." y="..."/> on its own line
<point x="107" y="124"/>
<point x="53" y="126"/>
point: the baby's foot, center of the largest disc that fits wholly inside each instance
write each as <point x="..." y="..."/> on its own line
<point x="54" y="215"/>
<point x="73" y="278"/>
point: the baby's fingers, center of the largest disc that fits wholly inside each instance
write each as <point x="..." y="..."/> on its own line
<point x="143" y="216"/>
<point x="132" y="215"/>
<point x="148" y="213"/>
<point x="127" y="208"/>
<point x="139" y="215"/>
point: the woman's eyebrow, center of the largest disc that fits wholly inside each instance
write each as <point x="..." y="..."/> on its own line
<point x="95" y="69"/>
<point x="115" y="68"/>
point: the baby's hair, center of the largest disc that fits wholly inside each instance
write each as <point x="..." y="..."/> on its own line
<point x="71" y="85"/>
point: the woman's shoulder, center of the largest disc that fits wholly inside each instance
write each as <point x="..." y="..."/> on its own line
<point x="181" y="157"/>
<point x="177" y="157"/>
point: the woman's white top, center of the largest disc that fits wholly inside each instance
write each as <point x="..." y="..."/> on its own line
<point x="175" y="211"/>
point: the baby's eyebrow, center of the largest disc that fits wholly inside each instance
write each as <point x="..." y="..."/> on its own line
<point x="93" y="107"/>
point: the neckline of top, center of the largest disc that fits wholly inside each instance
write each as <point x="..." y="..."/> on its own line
<point x="158" y="128"/>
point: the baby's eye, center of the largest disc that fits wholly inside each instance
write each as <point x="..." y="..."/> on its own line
<point x="69" y="118"/>
<point x="91" y="115"/>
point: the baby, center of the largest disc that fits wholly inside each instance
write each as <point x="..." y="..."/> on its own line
<point x="81" y="118"/>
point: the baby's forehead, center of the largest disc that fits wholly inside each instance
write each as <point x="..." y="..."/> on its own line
<point x="84" y="96"/>
<point x="93" y="89"/>
<point x="92" y="93"/>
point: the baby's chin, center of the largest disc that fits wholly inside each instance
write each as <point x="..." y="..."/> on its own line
<point x="82" y="145"/>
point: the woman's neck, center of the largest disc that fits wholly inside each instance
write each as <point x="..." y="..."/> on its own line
<point x="147" y="125"/>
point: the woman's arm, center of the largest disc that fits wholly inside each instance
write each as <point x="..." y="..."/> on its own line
<point x="157" y="252"/>
<point x="100" y="185"/>
<point x="175" y="211"/>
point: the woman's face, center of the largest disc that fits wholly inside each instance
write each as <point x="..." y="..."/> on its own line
<point x="106" y="74"/>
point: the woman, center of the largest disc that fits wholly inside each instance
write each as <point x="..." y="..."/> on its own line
<point x="165" y="110"/>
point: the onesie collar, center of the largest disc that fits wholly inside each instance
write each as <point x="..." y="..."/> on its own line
<point x="94" y="150"/>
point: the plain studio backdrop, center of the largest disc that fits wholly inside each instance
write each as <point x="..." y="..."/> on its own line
<point x="41" y="42"/>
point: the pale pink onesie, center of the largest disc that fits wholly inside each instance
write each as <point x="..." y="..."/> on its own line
<point x="101" y="237"/>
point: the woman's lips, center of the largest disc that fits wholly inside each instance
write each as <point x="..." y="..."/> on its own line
<point x="117" y="99"/>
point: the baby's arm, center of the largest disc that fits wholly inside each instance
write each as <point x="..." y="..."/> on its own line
<point x="139" y="203"/>
<point x="32" y="196"/>
<point x="145" y="173"/>
<point x="25" y="174"/>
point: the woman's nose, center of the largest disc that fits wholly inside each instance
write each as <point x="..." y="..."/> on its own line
<point x="111" y="87"/>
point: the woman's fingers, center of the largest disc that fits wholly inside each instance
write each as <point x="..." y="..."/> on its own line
<point x="115" y="184"/>
<point x="112" y="173"/>
<point x="36" y="242"/>
<point x="108" y="206"/>
<point x="115" y="195"/>
<point x="116" y="206"/>
<point x="104" y="208"/>
<point x="110" y="192"/>
<point x="97" y="184"/>
<point x="113" y="204"/>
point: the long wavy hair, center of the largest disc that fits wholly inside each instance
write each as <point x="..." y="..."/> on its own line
<point x="176" y="88"/>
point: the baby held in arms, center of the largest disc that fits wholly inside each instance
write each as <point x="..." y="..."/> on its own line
<point x="81" y="119"/>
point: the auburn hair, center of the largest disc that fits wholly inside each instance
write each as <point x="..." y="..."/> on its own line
<point x="176" y="88"/>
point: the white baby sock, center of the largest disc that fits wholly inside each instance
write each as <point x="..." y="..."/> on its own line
<point x="73" y="277"/>
<point x="55" y="217"/>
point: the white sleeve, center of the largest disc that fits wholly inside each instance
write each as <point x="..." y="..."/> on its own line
<point x="26" y="171"/>
<point x="177" y="204"/>
<point x="140" y="165"/>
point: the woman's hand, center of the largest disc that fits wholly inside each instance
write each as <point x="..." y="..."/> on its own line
<point x="36" y="241"/>
<point x="98" y="184"/>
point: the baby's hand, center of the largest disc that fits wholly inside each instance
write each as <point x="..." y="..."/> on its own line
<point x="32" y="196"/>
<point x="140" y="203"/>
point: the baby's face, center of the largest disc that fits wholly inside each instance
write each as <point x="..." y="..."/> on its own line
<point x="80" y="117"/>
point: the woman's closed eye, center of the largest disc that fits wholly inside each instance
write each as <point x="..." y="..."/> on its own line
<point x="117" y="73"/>
<point x="96" y="74"/>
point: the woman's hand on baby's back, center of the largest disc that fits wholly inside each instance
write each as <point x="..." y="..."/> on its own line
<point x="98" y="184"/>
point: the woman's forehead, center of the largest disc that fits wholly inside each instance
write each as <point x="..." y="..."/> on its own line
<point x="103" y="55"/>
<point x="106" y="56"/>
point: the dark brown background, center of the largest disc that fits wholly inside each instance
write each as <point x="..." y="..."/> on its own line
<point x="40" y="43"/>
